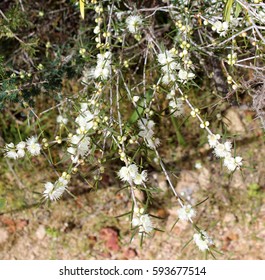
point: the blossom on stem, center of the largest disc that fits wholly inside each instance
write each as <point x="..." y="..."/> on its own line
<point x="186" y="212"/>
<point x="55" y="191"/>
<point x="33" y="146"/>
<point x="130" y="174"/>
<point x="202" y="240"/>
<point x="142" y="221"/>
<point x="134" y="23"/>
<point x="10" y="151"/>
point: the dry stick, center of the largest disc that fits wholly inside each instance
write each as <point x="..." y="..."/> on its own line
<point x="248" y="8"/>
<point x="19" y="182"/>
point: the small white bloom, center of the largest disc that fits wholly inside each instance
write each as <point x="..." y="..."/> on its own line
<point x="80" y="148"/>
<point x="176" y="106"/>
<point x="232" y="163"/>
<point x="21" y="145"/>
<point x="213" y="140"/>
<point x="198" y="165"/>
<point x="165" y="58"/>
<point x="85" y="120"/>
<point x="136" y="98"/>
<point x="140" y="178"/>
<point x="220" y="27"/>
<point x="21" y="149"/>
<point x="33" y="146"/>
<point x="55" y="191"/>
<point x="223" y="150"/>
<point x="147" y="225"/>
<point x="187" y="212"/>
<point x="147" y="133"/>
<point x="145" y="124"/>
<point x="136" y="222"/>
<point x="168" y="77"/>
<point x="170" y="67"/>
<point x="143" y="222"/>
<point x="184" y="75"/>
<point x="134" y="23"/>
<point x="103" y="67"/>
<point x="96" y="29"/>
<point x="152" y="142"/>
<point x="10" y="151"/>
<point x="202" y="240"/>
<point x="61" y="120"/>
<point x="128" y="173"/>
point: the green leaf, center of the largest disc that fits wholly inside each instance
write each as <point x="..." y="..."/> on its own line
<point x="180" y="138"/>
<point x="227" y="10"/>
<point x="238" y="9"/>
<point x="2" y="203"/>
<point x="140" y="108"/>
<point x="174" y="225"/>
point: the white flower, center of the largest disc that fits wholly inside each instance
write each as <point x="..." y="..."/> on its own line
<point x="168" y="78"/>
<point x="140" y="178"/>
<point x="198" y="165"/>
<point x="220" y="27"/>
<point x="85" y="120"/>
<point x="96" y="29"/>
<point x="176" y="107"/>
<point x="147" y="133"/>
<point x="165" y="58"/>
<point x="261" y="16"/>
<point x="10" y="151"/>
<point x="185" y="213"/>
<point x="133" y="23"/>
<point x="80" y="148"/>
<point x="143" y="222"/>
<point x="55" y="191"/>
<point x="184" y="75"/>
<point x="232" y="163"/>
<point x="202" y="240"/>
<point x="61" y="120"/>
<point x="133" y="169"/>
<point x="213" y="140"/>
<point x="145" y="124"/>
<point x="102" y="72"/>
<point x="152" y="143"/>
<point x="103" y="67"/>
<point x="223" y="150"/>
<point x="128" y="173"/>
<point x="21" y="149"/>
<point x="33" y="146"/>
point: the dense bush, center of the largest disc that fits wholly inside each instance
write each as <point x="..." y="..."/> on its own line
<point x="117" y="78"/>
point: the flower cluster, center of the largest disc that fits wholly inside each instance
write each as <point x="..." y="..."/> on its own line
<point x="232" y="58"/>
<point x="168" y="65"/>
<point x="54" y="191"/>
<point x="103" y="67"/>
<point x="19" y="151"/>
<point x="130" y="174"/>
<point x="223" y="150"/>
<point x="85" y="120"/>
